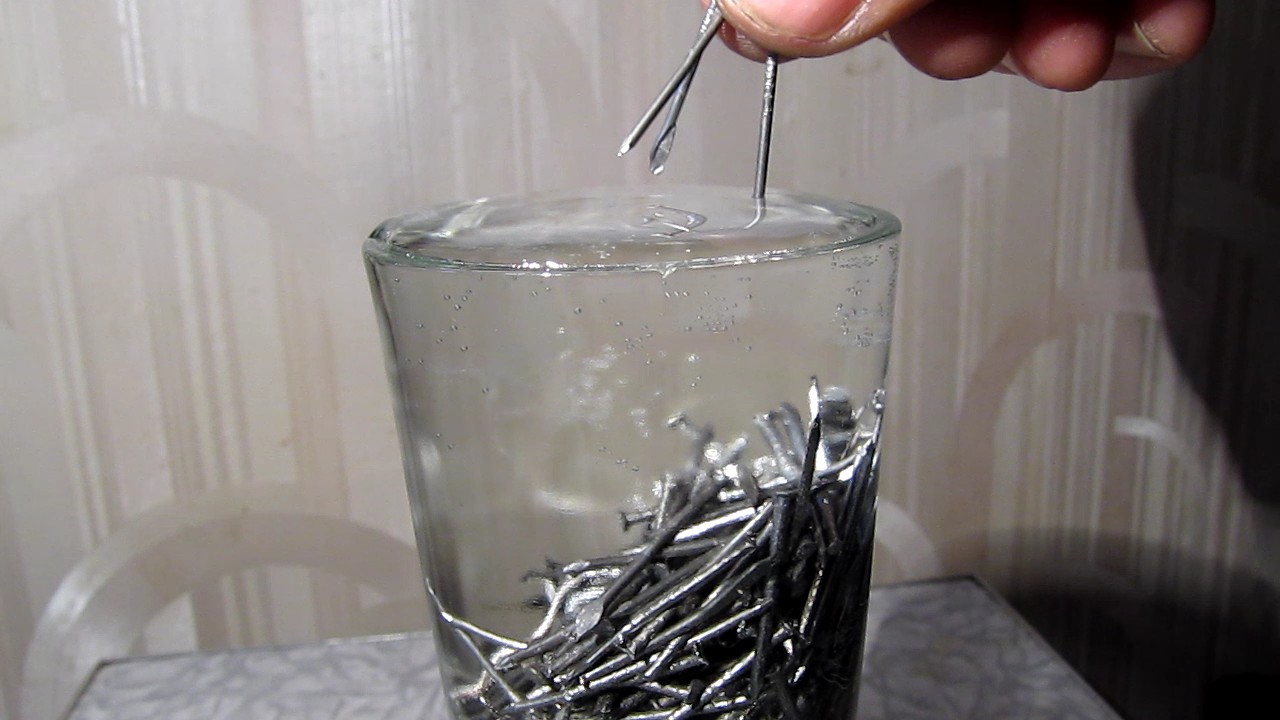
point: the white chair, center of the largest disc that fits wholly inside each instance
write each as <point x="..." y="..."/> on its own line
<point x="104" y="604"/>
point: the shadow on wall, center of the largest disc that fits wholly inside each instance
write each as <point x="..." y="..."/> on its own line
<point x="1185" y="637"/>
<point x="1207" y="181"/>
<point x="1157" y="649"/>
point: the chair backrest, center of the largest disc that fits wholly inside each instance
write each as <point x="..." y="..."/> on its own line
<point x="104" y="604"/>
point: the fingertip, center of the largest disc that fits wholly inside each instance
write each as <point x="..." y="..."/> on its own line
<point x="813" y="28"/>
<point x="1174" y="30"/>
<point x="1064" y="45"/>
<point x="957" y="40"/>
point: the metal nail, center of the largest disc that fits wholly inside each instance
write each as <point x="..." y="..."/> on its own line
<point x="687" y="67"/>
<point x="545" y="644"/>
<point x="714" y="524"/>
<point x="715" y="687"/>
<point x="649" y="631"/>
<point x="579" y="566"/>
<point x="672" y="494"/>
<point x="722" y="561"/>
<point x="617" y="677"/>
<point x="778" y="544"/>
<point x="735" y="620"/>
<point x="597" y="671"/>
<point x="667" y="134"/>
<point x="811" y="598"/>
<point x="827" y="523"/>
<point x="806" y="480"/>
<point x="651" y="593"/>
<point x="464" y="626"/>
<point x="786" y="464"/>
<point x="571" y="655"/>
<point x="670" y="691"/>
<point x="660" y="662"/>
<point x="766" y="126"/>
<point x="488" y="667"/>
<point x="712" y="708"/>
<point x="765" y="467"/>
<point x="720" y="456"/>
<point x="796" y="429"/>
<point x="641" y="517"/>
<point x="714" y="604"/>
<point x="662" y="536"/>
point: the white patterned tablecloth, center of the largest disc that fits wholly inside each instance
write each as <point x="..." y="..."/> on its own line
<point x="937" y="650"/>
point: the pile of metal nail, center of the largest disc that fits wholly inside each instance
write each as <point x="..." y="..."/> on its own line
<point x="745" y="597"/>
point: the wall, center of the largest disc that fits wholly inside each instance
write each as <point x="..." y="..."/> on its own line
<point x="1082" y="407"/>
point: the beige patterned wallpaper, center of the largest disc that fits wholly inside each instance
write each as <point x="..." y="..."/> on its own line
<point x="196" y="440"/>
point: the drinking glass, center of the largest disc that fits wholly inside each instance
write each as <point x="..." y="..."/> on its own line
<point x="640" y="432"/>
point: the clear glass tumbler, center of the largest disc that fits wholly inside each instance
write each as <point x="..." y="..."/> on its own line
<point x="640" y="435"/>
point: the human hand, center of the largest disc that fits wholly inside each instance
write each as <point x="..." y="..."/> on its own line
<point x="1059" y="44"/>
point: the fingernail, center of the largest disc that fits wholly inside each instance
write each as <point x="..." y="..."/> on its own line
<point x="1141" y="43"/>
<point x="805" y="19"/>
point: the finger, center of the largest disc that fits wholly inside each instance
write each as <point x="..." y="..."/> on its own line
<point x="1161" y="34"/>
<point x="957" y="38"/>
<point x="742" y="43"/>
<point x="812" y="28"/>
<point x="1064" y="44"/>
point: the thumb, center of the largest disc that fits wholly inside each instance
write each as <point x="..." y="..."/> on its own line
<point x="811" y="28"/>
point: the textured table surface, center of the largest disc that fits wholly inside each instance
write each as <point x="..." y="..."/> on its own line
<point x="939" y="650"/>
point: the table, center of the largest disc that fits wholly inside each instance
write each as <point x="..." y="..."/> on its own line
<point x="936" y="650"/>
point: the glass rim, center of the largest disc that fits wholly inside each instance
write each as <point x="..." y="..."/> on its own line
<point x="509" y="234"/>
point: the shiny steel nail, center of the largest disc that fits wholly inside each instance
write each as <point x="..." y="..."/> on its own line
<point x="631" y="519"/>
<point x="805" y="484"/>
<point x="566" y="590"/>
<point x="766" y="126"/>
<point x="715" y="688"/>
<point x="715" y="603"/>
<point x="686" y="68"/>
<point x="671" y="691"/>
<point x="647" y="633"/>
<point x="719" y="455"/>
<point x="623" y="674"/>
<point x="672" y="494"/>
<point x="778" y="544"/>
<point x="488" y="667"/>
<point x="586" y="675"/>
<point x="733" y="621"/>
<point x="662" y="536"/>
<point x="715" y="524"/>
<point x="827" y="524"/>
<point x="572" y="654"/>
<point x="465" y="627"/>
<point x="667" y="133"/>
<point x="786" y="464"/>
<point x="546" y="644"/>
<point x="810" y="600"/>
<point x="646" y="597"/>
<point x="795" y="428"/>
<point x="578" y="601"/>
<point x="660" y="662"/>
<point x="722" y="561"/>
